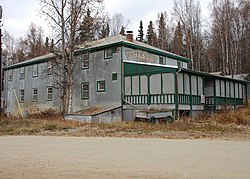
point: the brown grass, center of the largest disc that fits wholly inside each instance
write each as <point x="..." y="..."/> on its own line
<point x="51" y="123"/>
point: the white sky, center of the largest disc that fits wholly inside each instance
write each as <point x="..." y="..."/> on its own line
<point x="18" y="14"/>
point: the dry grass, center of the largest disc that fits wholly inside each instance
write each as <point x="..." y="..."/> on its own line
<point x="227" y="123"/>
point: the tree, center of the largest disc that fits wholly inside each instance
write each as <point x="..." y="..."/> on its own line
<point x="122" y="31"/>
<point x="65" y="17"/>
<point x="8" y="49"/>
<point x="87" y="28"/>
<point x="188" y="13"/>
<point x="162" y="34"/>
<point x="117" y="22"/>
<point x="141" y="34"/>
<point x="151" y="35"/>
<point x="178" y="40"/>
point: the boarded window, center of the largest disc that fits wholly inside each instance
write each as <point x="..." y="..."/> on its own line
<point x="85" y="60"/>
<point x="50" y="67"/>
<point x="85" y="90"/>
<point x="49" y="93"/>
<point x="10" y="75"/>
<point x="22" y="73"/>
<point x="34" y="95"/>
<point x="35" y="70"/>
<point x="21" y="97"/>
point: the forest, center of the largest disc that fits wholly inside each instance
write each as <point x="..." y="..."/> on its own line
<point x="219" y="43"/>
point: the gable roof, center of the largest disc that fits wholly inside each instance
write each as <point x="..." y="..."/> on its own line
<point x="101" y="44"/>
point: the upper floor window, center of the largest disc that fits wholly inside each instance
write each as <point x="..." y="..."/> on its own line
<point x="85" y="60"/>
<point x="101" y="86"/>
<point x="50" y="67"/>
<point x="162" y="60"/>
<point x="108" y="53"/>
<point x="22" y="73"/>
<point x="35" y="70"/>
<point x="10" y="78"/>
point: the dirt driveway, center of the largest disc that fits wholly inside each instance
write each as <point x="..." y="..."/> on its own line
<point x="80" y="157"/>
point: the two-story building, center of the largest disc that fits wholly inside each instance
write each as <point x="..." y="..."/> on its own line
<point x="116" y="76"/>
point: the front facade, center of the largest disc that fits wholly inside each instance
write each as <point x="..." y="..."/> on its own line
<point x="119" y="76"/>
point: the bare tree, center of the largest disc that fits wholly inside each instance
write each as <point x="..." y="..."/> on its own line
<point x="65" y="18"/>
<point x="118" y="21"/>
<point x="188" y="13"/>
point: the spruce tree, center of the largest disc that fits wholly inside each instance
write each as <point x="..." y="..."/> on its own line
<point x="151" y="35"/>
<point x="162" y="37"/>
<point x="178" y="40"/>
<point x="140" y="35"/>
<point x="87" y="28"/>
<point x="122" y="32"/>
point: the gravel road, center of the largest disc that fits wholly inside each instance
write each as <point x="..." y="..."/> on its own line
<point x="80" y="157"/>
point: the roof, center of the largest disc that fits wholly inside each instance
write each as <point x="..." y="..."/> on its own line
<point x="105" y="43"/>
<point x="32" y="61"/>
<point x="121" y="40"/>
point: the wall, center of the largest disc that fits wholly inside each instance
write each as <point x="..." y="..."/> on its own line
<point x="99" y="69"/>
<point x="41" y="82"/>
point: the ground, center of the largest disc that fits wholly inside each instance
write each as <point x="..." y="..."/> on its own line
<point x="97" y="157"/>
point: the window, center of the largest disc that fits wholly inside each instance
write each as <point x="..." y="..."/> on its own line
<point x="50" y="67"/>
<point x="162" y="60"/>
<point x="85" y="60"/>
<point x="34" y="95"/>
<point x="108" y="53"/>
<point x="100" y="86"/>
<point x="10" y="75"/>
<point x="22" y="74"/>
<point x="49" y="93"/>
<point x="114" y="76"/>
<point x="21" y="97"/>
<point x="35" y="70"/>
<point x="85" y="90"/>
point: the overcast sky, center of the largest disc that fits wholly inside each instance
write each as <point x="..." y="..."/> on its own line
<point x="18" y="14"/>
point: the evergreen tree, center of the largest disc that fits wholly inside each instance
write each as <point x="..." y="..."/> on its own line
<point x="87" y="28"/>
<point x="104" y="31"/>
<point x="140" y="35"/>
<point x="178" y="40"/>
<point x="151" y="35"/>
<point x="162" y="37"/>
<point x="122" y="32"/>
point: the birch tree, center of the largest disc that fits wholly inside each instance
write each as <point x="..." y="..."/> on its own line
<point x="65" y="17"/>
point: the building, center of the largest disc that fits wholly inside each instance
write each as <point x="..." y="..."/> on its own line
<point x="116" y="76"/>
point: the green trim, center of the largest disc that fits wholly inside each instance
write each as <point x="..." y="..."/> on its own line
<point x="134" y="69"/>
<point x="234" y="95"/>
<point x="183" y="81"/>
<point x="197" y="85"/>
<point x="161" y="84"/>
<point x="131" y="84"/>
<point x="176" y="96"/>
<point x="190" y="97"/>
<point x="82" y="97"/>
<point x="149" y="99"/>
<point x="99" y="82"/>
<point x="215" y="101"/>
<point x="139" y="84"/>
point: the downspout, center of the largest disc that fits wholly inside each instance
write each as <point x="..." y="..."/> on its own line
<point x="177" y="94"/>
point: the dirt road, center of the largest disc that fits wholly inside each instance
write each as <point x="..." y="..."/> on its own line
<point x="79" y="157"/>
